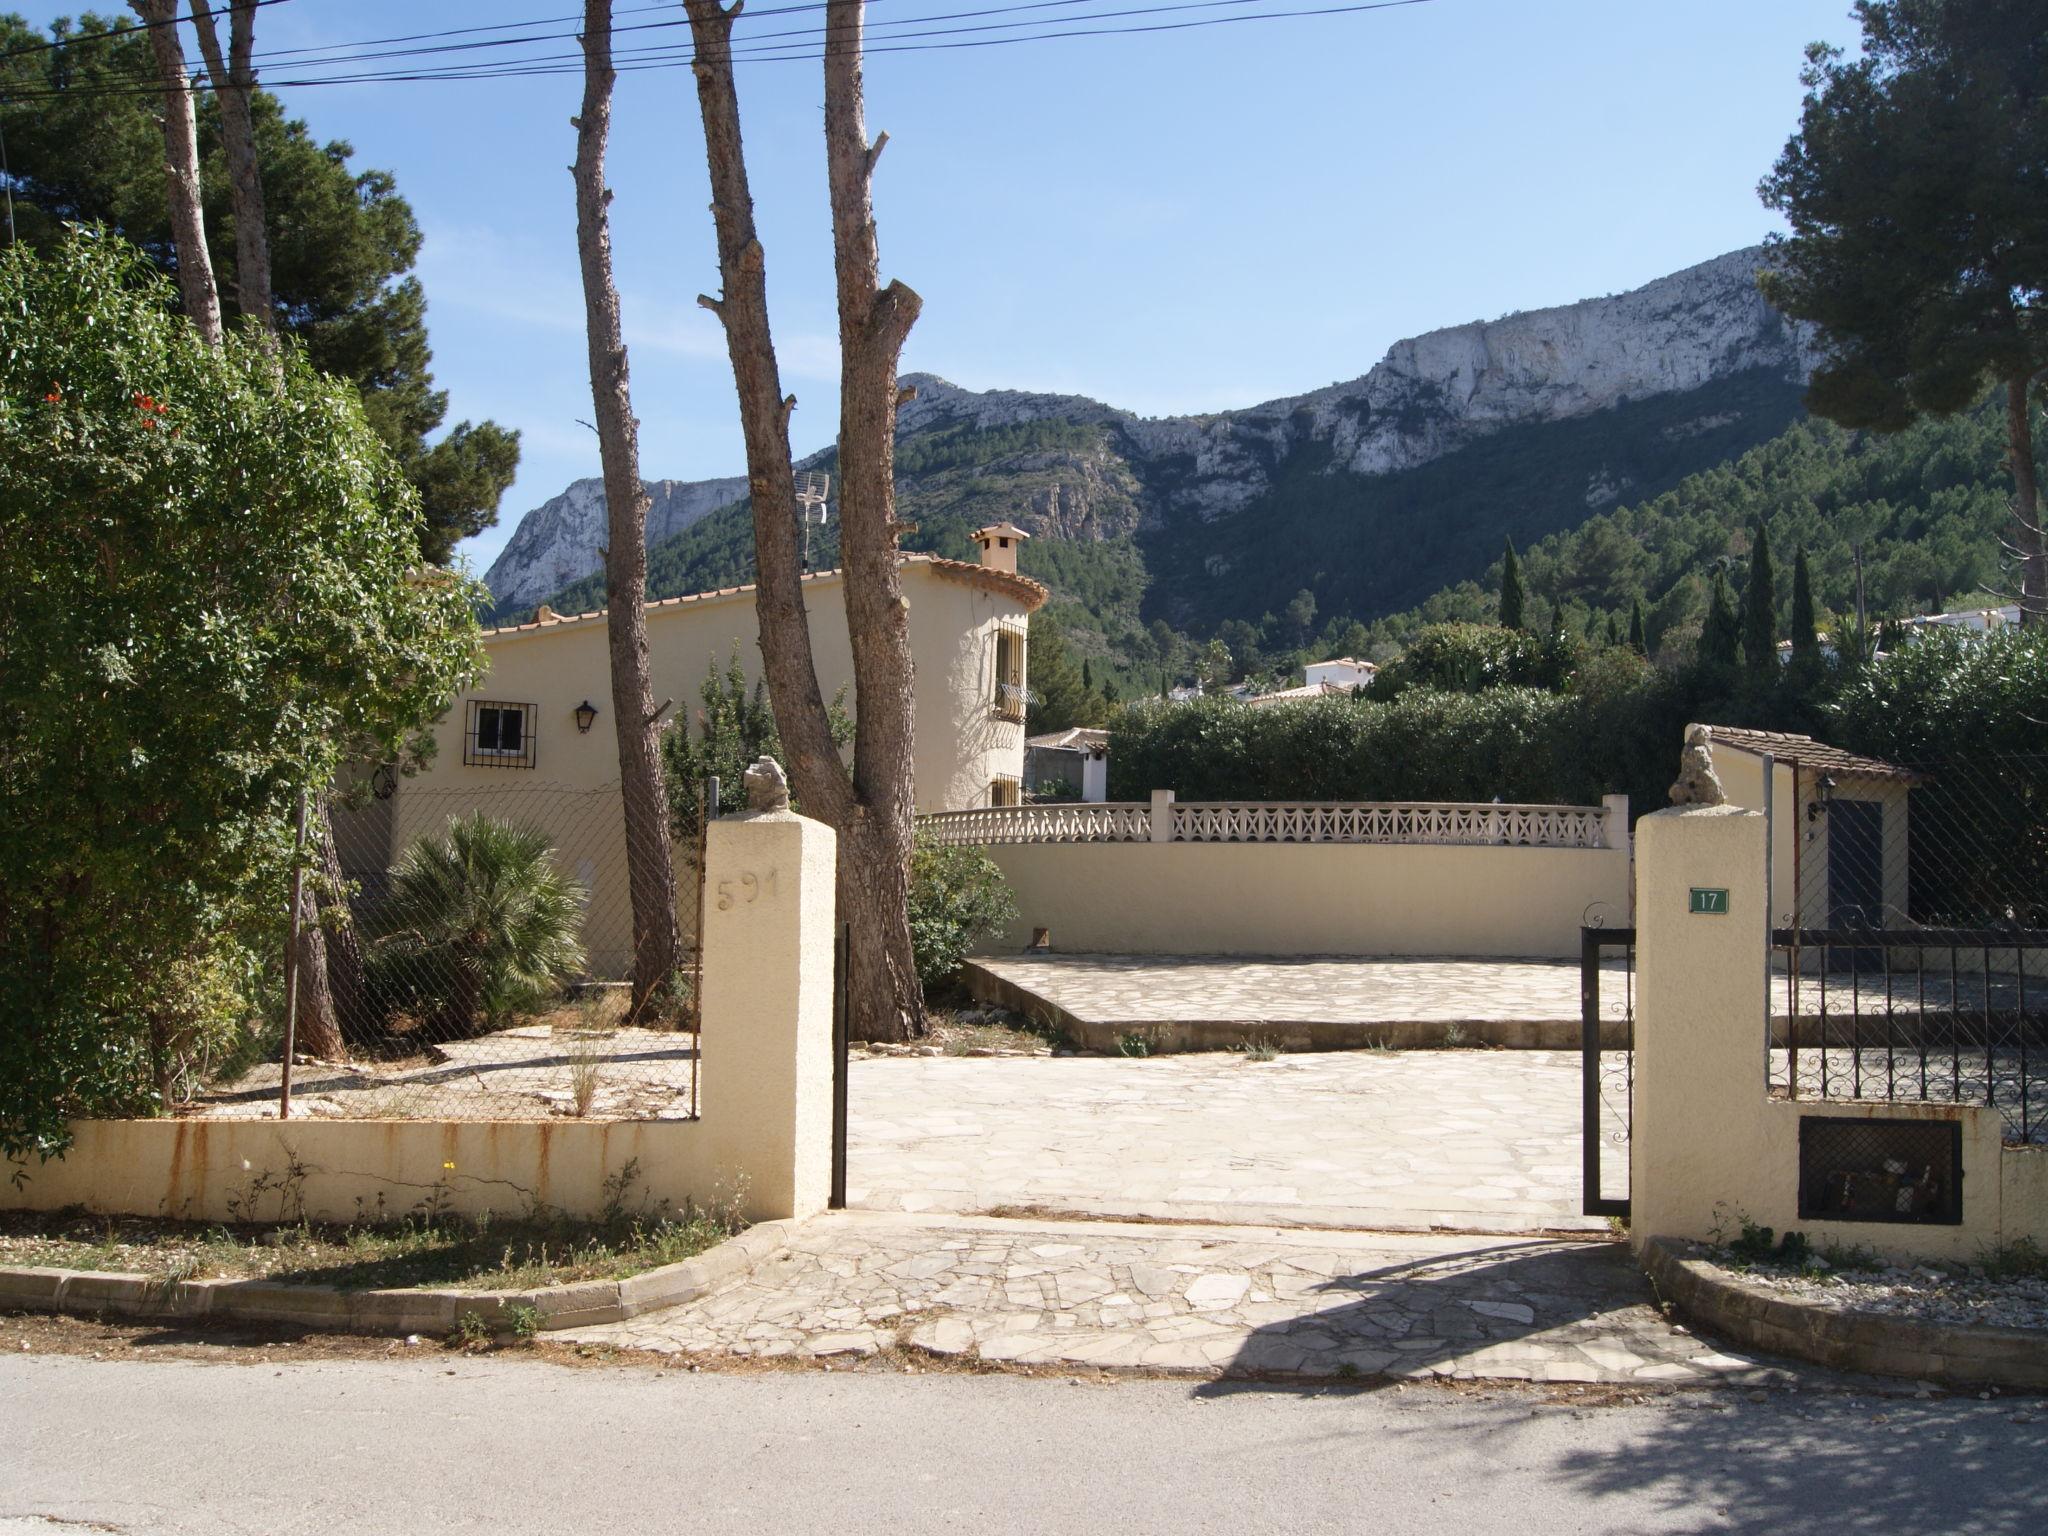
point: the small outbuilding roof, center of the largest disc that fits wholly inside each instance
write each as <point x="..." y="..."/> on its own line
<point x="1076" y="738"/>
<point x="1790" y="747"/>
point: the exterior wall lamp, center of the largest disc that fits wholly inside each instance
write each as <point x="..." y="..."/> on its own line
<point x="1823" y="790"/>
<point x="586" y="716"/>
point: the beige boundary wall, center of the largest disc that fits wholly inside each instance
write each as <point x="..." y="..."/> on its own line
<point x="1313" y="898"/>
<point x="764" y="1135"/>
<point x="1708" y="1146"/>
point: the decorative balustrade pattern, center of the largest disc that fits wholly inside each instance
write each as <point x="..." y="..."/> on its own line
<point x="1067" y="823"/>
<point x="1248" y="821"/>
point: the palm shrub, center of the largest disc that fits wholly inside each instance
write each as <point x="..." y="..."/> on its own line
<point x="480" y="923"/>
<point x="957" y="896"/>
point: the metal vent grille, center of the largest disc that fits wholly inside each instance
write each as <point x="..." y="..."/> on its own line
<point x="1880" y="1170"/>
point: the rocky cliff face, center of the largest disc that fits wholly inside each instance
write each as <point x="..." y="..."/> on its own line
<point x="1428" y="397"/>
<point x="562" y="539"/>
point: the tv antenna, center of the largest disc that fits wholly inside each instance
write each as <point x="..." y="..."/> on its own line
<point x="812" y="489"/>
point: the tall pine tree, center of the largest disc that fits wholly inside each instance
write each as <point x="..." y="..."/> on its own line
<point x="1638" y="628"/>
<point x="1805" y="633"/>
<point x="1721" y="635"/>
<point x="1512" y="600"/>
<point x="1760" y="609"/>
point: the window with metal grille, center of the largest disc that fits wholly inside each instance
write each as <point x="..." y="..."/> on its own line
<point x="498" y="735"/>
<point x="1010" y="696"/>
<point x="1004" y="790"/>
<point x="1880" y="1170"/>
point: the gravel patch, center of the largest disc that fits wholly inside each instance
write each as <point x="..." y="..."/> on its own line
<point x="1950" y="1294"/>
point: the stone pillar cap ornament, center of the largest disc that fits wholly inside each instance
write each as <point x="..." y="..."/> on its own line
<point x="1697" y="783"/>
<point x="767" y="786"/>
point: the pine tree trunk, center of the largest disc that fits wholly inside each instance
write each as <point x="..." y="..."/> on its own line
<point x="181" y="168"/>
<point x="870" y="810"/>
<point x="815" y="770"/>
<point x="650" y="868"/>
<point x="884" y="999"/>
<point x="232" y="81"/>
<point x="2026" y="504"/>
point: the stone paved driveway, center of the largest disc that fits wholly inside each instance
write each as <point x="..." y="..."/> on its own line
<point x="1473" y="1140"/>
<point x="1208" y="1299"/>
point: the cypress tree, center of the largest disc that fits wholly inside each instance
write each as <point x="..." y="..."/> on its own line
<point x="1638" y="629"/>
<point x="1511" y="598"/>
<point x="1613" y="630"/>
<point x="1805" y="636"/>
<point x="1557" y="618"/>
<point x="1721" y="634"/>
<point x="1760" y="609"/>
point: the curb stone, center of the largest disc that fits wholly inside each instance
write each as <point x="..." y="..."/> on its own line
<point x="333" y="1310"/>
<point x="1758" y="1318"/>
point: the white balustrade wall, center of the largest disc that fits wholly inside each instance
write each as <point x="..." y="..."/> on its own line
<point x="1280" y="878"/>
<point x="1280" y="821"/>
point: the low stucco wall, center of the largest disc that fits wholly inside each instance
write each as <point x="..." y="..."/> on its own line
<point x="764" y="1141"/>
<point x="1310" y="898"/>
<point x="226" y="1170"/>
<point x="1709" y="1148"/>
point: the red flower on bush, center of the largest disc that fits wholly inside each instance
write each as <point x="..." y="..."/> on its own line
<point x="56" y="394"/>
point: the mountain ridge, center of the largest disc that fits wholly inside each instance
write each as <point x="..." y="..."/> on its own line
<point x="1091" y="472"/>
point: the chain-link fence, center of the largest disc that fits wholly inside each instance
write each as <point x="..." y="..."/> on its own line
<point x="1911" y="933"/>
<point x="474" y="961"/>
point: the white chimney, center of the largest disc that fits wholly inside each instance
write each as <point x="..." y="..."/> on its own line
<point x="999" y="542"/>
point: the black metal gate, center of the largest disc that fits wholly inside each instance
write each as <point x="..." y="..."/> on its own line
<point x="1607" y="1068"/>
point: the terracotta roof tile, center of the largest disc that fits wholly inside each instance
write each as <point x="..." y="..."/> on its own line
<point x="1023" y="588"/>
<point x="1788" y="747"/>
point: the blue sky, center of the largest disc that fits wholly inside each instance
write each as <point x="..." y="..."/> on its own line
<point x="1178" y="221"/>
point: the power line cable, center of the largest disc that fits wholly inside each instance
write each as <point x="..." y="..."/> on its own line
<point x="809" y="47"/>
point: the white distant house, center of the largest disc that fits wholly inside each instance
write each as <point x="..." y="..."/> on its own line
<point x="1976" y="621"/>
<point x="1345" y="672"/>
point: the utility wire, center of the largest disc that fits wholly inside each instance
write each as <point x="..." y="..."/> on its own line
<point x="808" y="46"/>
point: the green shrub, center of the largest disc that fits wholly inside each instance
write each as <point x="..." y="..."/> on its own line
<point x="480" y="925"/>
<point x="957" y="896"/>
<point x="214" y="600"/>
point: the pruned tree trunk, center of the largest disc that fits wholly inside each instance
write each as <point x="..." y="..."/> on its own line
<point x="2028" y="540"/>
<point x="233" y="81"/>
<point x="181" y="168"/>
<point x="884" y="998"/>
<point x="650" y="869"/>
<point x="870" y="807"/>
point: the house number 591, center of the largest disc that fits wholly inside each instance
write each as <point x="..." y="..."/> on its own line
<point x="746" y="890"/>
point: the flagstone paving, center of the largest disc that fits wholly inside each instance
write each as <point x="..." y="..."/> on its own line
<point x="1143" y="988"/>
<point x="1467" y="1139"/>
<point x="1236" y="1300"/>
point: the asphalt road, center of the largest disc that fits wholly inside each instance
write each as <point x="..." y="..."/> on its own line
<point x="505" y="1445"/>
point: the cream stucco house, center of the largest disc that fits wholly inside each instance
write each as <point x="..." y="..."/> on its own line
<point x="533" y="740"/>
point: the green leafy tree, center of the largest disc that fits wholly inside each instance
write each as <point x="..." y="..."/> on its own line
<point x="1919" y="239"/>
<point x="1301" y="616"/>
<point x="1512" y="599"/>
<point x="1760" y="610"/>
<point x="481" y="923"/>
<point x="1721" y="633"/>
<point x="84" y="147"/>
<point x="957" y="898"/>
<point x="215" y="600"/>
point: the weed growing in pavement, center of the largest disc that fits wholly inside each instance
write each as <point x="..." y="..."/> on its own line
<point x="470" y="1332"/>
<point x="1454" y="1036"/>
<point x="1258" y="1047"/>
<point x="525" y="1320"/>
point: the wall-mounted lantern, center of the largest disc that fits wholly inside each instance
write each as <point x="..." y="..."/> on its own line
<point x="1823" y="791"/>
<point x="586" y="716"/>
